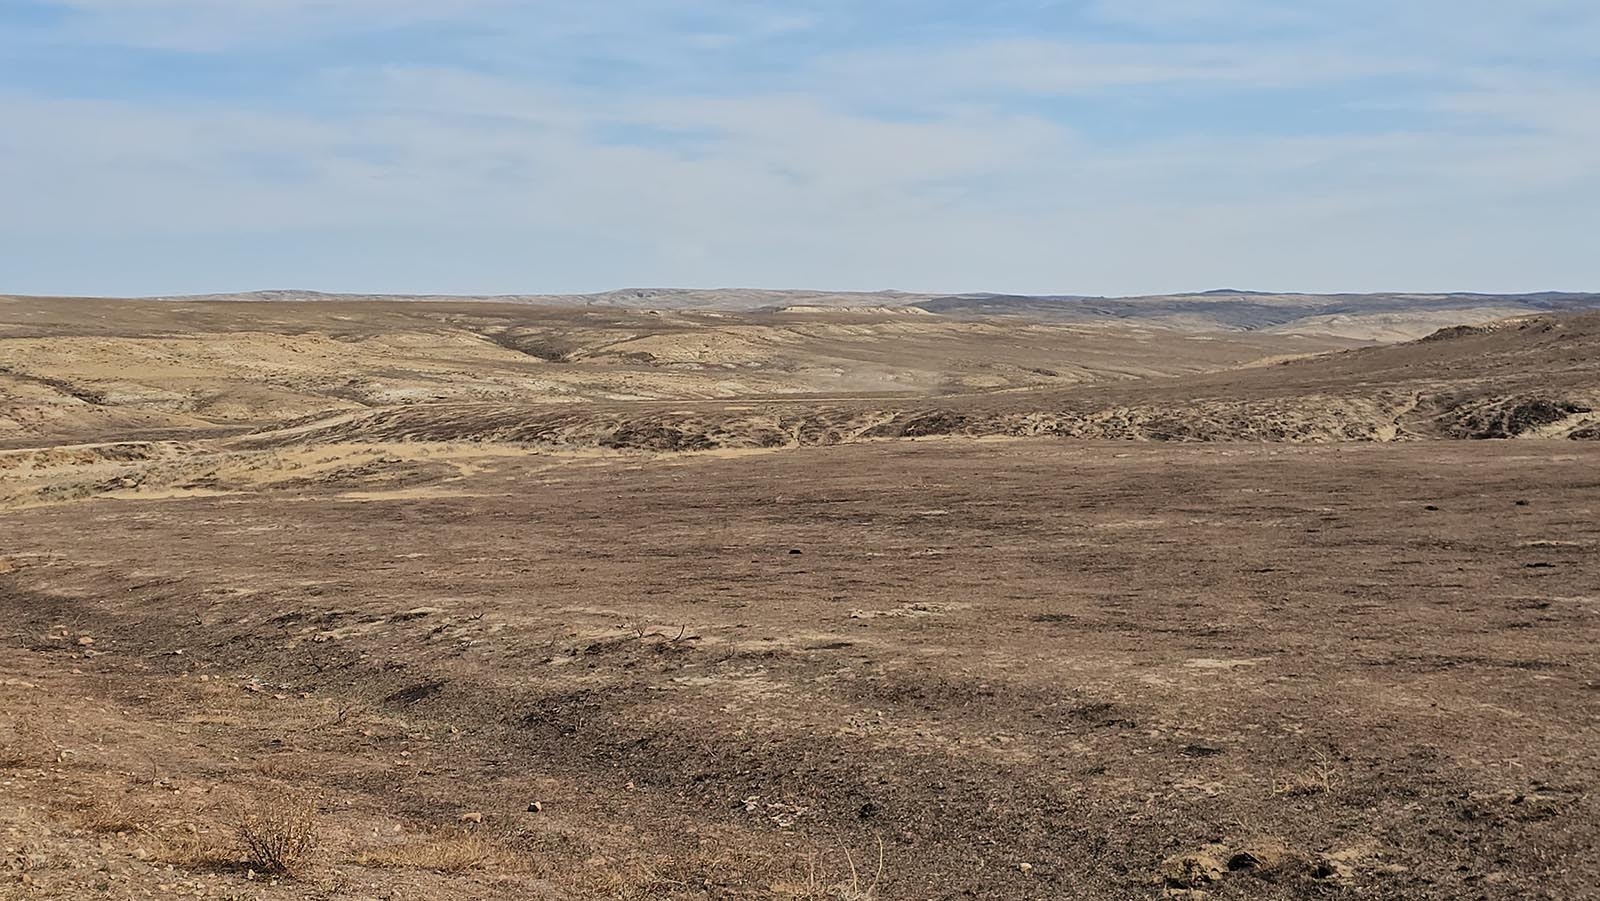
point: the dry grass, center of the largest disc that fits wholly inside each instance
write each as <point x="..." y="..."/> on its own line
<point x="112" y="814"/>
<point x="29" y="746"/>
<point x="1318" y="780"/>
<point x="14" y="754"/>
<point x="193" y="852"/>
<point x="451" y="852"/>
<point x="816" y="886"/>
<point x="278" y="836"/>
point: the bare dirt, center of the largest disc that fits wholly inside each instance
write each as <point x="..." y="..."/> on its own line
<point x="932" y="658"/>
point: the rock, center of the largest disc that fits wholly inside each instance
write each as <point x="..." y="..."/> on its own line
<point x="1262" y="854"/>
<point x="85" y="641"/>
<point x="473" y="818"/>
<point x="1195" y="869"/>
<point x="536" y="807"/>
<point x="1336" y="866"/>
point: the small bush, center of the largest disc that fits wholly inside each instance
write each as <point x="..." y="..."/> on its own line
<point x="279" y="836"/>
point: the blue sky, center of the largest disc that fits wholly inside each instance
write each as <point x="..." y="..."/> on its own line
<point x="1096" y="146"/>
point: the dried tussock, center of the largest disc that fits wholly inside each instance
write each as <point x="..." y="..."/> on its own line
<point x="450" y="852"/>
<point x="111" y="814"/>
<point x="29" y="746"/>
<point x="193" y="852"/>
<point x="1318" y="780"/>
<point x="107" y="814"/>
<point x="278" y="835"/>
<point x="16" y="753"/>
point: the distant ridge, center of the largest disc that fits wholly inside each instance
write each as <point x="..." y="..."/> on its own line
<point x="1378" y="317"/>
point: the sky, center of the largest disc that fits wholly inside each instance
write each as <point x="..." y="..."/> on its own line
<point x="1026" y="146"/>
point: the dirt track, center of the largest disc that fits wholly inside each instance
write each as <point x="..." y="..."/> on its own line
<point x="1032" y="669"/>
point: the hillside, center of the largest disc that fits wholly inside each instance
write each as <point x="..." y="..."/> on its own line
<point x="1533" y="377"/>
<point x="84" y="370"/>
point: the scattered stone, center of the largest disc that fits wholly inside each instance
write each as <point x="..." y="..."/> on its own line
<point x="472" y="818"/>
<point x="85" y="641"/>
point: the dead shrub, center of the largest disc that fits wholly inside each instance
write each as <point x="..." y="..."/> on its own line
<point x="279" y="835"/>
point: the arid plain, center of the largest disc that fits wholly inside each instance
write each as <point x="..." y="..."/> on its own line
<point x="882" y="597"/>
